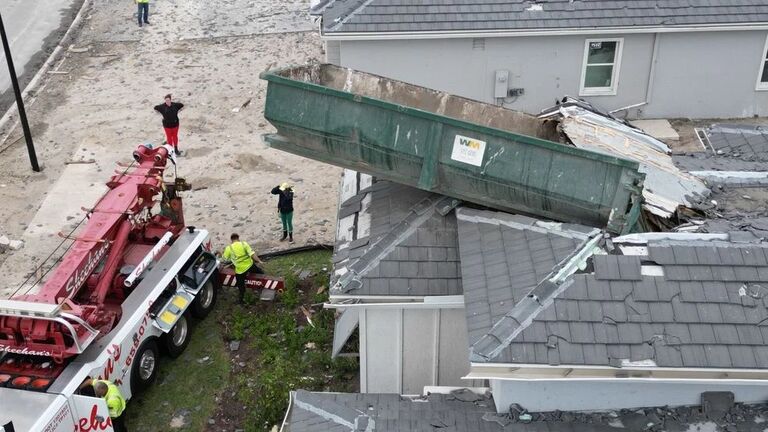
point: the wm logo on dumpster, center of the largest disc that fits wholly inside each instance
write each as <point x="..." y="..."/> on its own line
<point x="468" y="150"/>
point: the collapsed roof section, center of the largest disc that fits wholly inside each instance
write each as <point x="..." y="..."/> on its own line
<point x="666" y="186"/>
<point x="394" y="241"/>
<point x="659" y="301"/>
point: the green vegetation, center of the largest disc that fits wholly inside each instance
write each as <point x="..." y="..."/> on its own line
<point x="279" y="352"/>
<point x="292" y="353"/>
<point x="186" y="387"/>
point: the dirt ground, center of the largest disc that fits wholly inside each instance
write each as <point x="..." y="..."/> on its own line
<point x="98" y="106"/>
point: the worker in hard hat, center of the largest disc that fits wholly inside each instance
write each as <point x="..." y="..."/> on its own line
<point x="242" y="257"/>
<point x="285" y="209"/>
<point x="115" y="401"/>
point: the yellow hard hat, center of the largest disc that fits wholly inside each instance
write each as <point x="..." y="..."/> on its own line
<point x="284" y="186"/>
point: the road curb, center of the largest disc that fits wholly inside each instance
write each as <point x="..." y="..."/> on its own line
<point x="35" y="81"/>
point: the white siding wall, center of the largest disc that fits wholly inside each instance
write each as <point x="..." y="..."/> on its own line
<point x="403" y="350"/>
<point x="546" y="395"/>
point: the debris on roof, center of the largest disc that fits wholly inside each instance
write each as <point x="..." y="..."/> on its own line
<point x="697" y="302"/>
<point x="667" y="187"/>
<point x="337" y="412"/>
<point x="394" y="240"/>
<point x="740" y="141"/>
<point x="465" y="411"/>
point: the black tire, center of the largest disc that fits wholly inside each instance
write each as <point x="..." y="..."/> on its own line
<point x="176" y="340"/>
<point x="145" y="366"/>
<point x="205" y="300"/>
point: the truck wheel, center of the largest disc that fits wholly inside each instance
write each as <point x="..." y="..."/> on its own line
<point x="144" y="369"/>
<point x="206" y="298"/>
<point x="176" y="340"/>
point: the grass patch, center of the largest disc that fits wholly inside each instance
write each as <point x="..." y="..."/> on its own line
<point x="279" y="352"/>
<point x="291" y="353"/>
<point x="186" y="388"/>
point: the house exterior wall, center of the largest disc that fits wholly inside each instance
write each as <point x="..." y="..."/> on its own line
<point x="403" y="350"/>
<point x="564" y="394"/>
<point x="698" y="75"/>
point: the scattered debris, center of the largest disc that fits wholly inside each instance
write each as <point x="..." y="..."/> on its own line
<point x="8" y="244"/>
<point x="245" y="104"/>
<point x="58" y="72"/>
<point x="322" y="289"/>
<point x="79" y="50"/>
<point x="234" y="345"/>
<point x="667" y="187"/>
<point x="203" y="360"/>
<point x="310" y="345"/>
<point x="80" y="161"/>
<point x="308" y="315"/>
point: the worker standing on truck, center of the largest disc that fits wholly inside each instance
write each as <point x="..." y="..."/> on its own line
<point x="115" y="400"/>
<point x="170" y="111"/>
<point x="285" y="209"/>
<point x="242" y="257"/>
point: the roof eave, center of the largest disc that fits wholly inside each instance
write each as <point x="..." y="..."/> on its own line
<point x="513" y="371"/>
<point x="458" y="34"/>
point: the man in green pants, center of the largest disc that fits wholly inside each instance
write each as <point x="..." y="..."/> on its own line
<point x="285" y="209"/>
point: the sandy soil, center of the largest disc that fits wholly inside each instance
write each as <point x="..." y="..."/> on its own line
<point x="100" y="107"/>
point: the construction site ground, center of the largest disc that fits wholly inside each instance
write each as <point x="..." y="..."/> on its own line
<point x="96" y="106"/>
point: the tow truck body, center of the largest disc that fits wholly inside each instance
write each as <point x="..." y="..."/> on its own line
<point x="126" y="286"/>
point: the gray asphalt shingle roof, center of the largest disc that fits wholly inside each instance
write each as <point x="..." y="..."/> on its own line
<point x="337" y="412"/>
<point x="381" y="16"/>
<point x="400" y="244"/>
<point x="706" y="309"/>
<point x="503" y="257"/>
<point x="463" y="411"/>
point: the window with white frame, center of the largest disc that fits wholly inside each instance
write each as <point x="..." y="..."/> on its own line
<point x="600" y="74"/>
<point x="762" y="77"/>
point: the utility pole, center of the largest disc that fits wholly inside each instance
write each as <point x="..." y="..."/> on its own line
<point x="19" y="100"/>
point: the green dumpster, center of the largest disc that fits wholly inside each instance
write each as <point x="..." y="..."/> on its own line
<point x="446" y="144"/>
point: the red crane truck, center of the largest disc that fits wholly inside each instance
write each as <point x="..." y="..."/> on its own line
<point x="123" y="292"/>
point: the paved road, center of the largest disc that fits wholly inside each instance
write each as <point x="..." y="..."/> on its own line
<point x="31" y="25"/>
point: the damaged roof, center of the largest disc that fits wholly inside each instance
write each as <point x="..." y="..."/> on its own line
<point x="464" y="411"/>
<point x="675" y="302"/>
<point x="504" y="256"/>
<point x="394" y="240"/>
<point x="386" y="16"/>
<point x="666" y="187"/>
<point x="343" y="412"/>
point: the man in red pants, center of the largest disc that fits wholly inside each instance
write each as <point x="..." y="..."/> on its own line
<point x="170" y="111"/>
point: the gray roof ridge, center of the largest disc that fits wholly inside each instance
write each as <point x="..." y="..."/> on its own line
<point x="562" y="231"/>
<point x="418" y="215"/>
<point x="364" y="4"/>
<point x="542" y="296"/>
<point x="332" y="411"/>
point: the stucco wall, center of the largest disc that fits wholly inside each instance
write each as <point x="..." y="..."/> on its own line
<point x="699" y="75"/>
<point x="708" y="75"/>
<point x="403" y="350"/>
<point x="550" y="395"/>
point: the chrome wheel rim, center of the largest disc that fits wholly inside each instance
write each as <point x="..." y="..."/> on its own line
<point x="206" y="297"/>
<point x="179" y="334"/>
<point x="147" y="364"/>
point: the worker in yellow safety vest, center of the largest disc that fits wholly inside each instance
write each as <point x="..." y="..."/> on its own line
<point x="143" y="10"/>
<point x="115" y="401"/>
<point x="242" y="257"/>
